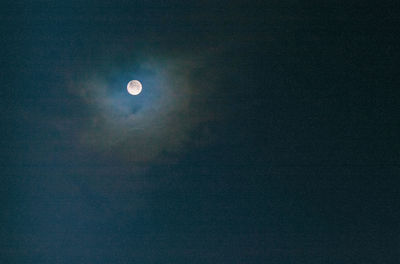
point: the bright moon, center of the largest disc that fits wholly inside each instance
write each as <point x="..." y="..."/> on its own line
<point x="134" y="87"/>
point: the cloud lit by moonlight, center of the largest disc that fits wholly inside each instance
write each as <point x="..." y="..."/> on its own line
<point x="156" y="124"/>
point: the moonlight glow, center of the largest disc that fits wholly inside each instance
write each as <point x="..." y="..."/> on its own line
<point x="134" y="87"/>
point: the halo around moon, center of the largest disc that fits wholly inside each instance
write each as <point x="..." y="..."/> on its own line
<point x="134" y="87"/>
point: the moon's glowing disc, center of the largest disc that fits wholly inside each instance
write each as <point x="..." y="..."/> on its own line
<point x="134" y="87"/>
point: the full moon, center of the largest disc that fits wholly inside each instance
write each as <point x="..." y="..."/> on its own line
<point x="134" y="87"/>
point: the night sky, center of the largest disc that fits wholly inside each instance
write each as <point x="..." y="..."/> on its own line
<point x="266" y="132"/>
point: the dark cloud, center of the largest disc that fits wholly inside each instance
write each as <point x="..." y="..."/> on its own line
<point x="157" y="123"/>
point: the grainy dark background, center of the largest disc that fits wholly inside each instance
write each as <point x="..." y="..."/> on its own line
<point x="285" y="137"/>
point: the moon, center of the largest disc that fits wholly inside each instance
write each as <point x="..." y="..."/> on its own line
<point x="134" y="87"/>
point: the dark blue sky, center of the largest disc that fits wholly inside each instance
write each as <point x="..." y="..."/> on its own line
<point x="266" y="132"/>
